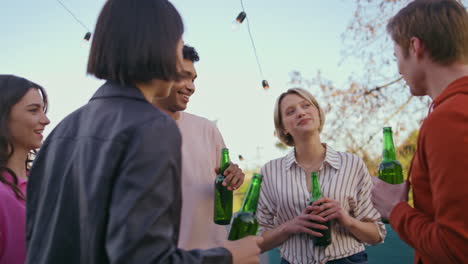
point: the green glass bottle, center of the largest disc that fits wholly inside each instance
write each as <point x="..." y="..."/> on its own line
<point x="222" y="196"/>
<point x="390" y="169"/>
<point x="316" y="194"/>
<point x="245" y="223"/>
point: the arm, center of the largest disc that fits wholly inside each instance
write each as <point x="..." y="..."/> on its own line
<point x="145" y="205"/>
<point x="443" y="153"/>
<point x="300" y="224"/>
<point x="275" y="235"/>
<point x="365" y="223"/>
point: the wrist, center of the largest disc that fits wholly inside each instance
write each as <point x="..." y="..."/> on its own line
<point x="285" y="229"/>
<point x="350" y="222"/>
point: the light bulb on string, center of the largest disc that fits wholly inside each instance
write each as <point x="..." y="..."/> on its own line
<point x="87" y="36"/>
<point x="239" y="19"/>
<point x="265" y="85"/>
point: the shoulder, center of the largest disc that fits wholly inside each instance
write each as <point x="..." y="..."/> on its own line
<point x="273" y="166"/>
<point x="196" y="120"/>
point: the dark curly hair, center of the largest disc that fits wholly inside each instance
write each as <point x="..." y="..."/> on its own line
<point x="12" y="89"/>
<point x="190" y="53"/>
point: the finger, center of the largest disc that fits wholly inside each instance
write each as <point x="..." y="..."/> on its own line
<point x="320" y="201"/>
<point x="239" y="181"/>
<point x="314" y="225"/>
<point x="308" y="209"/>
<point x="231" y="169"/>
<point x="227" y="180"/>
<point x="332" y="216"/>
<point x="327" y="212"/>
<point x="316" y="218"/>
<point x="310" y="232"/>
<point x="234" y="184"/>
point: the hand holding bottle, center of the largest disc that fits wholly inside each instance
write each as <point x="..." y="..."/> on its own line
<point x="330" y="209"/>
<point x="245" y="250"/>
<point x="385" y="196"/>
<point x="304" y="222"/>
<point x="234" y="177"/>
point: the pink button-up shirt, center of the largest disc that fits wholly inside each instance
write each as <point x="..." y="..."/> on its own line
<point x="12" y="223"/>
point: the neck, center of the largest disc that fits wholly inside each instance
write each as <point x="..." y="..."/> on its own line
<point x="147" y="91"/>
<point x="17" y="163"/>
<point x="310" y="152"/>
<point x="438" y="77"/>
<point x="173" y="114"/>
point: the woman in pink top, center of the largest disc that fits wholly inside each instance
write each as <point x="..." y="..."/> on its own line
<point x="22" y="120"/>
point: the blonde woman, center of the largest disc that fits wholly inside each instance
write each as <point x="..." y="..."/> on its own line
<point x="283" y="211"/>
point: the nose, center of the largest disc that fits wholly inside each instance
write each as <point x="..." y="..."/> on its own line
<point x="45" y="120"/>
<point x="190" y="87"/>
<point x="300" y="113"/>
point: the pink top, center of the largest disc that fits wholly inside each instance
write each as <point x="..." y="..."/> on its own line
<point x="201" y="152"/>
<point x="12" y="223"/>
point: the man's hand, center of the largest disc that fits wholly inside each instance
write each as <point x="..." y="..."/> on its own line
<point x="385" y="195"/>
<point x="245" y="250"/>
<point x="234" y="177"/>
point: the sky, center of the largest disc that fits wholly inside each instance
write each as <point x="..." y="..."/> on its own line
<point x="41" y="41"/>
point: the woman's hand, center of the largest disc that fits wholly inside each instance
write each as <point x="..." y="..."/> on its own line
<point x="330" y="209"/>
<point x="302" y="223"/>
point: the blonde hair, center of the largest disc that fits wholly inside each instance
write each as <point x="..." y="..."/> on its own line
<point x="279" y="127"/>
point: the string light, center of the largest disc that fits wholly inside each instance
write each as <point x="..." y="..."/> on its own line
<point x="240" y="18"/>
<point x="87" y="36"/>
<point x="241" y="158"/>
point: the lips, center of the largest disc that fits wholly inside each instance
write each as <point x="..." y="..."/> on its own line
<point x="304" y="121"/>
<point x="185" y="97"/>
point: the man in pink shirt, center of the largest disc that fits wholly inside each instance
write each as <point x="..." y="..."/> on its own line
<point x="201" y="152"/>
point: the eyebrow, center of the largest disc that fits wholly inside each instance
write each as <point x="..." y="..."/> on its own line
<point x="34" y="105"/>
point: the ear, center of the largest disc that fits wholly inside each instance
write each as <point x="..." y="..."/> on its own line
<point x="416" y="47"/>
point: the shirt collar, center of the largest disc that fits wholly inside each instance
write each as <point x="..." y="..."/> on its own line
<point x="114" y="89"/>
<point x="331" y="157"/>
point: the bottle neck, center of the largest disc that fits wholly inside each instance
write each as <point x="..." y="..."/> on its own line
<point x="251" y="198"/>
<point x="225" y="161"/>
<point x="388" y="153"/>
<point x="315" y="192"/>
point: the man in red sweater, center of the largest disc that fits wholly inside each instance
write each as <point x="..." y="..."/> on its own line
<point x="431" y="47"/>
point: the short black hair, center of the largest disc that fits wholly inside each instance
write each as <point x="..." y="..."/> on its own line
<point x="136" y="41"/>
<point x="190" y="53"/>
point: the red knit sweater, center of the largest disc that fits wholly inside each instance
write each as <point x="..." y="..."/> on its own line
<point x="437" y="226"/>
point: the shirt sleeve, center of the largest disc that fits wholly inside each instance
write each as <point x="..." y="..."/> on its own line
<point x="444" y="153"/>
<point x="365" y="210"/>
<point x="265" y="209"/>
<point x="145" y="205"/>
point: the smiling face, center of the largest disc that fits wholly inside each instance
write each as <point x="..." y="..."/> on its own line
<point x="181" y="91"/>
<point x="27" y="121"/>
<point x="299" y="116"/>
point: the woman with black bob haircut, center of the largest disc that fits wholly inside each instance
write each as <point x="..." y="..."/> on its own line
<point x="22" y="120"/>
<point x="105" y="186"/>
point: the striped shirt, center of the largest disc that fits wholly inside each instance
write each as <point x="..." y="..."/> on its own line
<point x="343" y="177"/>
